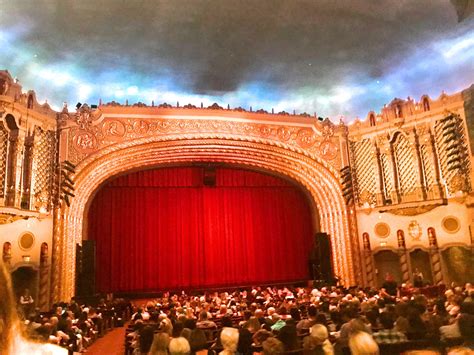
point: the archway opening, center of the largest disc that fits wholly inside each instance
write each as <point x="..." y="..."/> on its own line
<point x="315" y="175"/>
<point x="210" y="225"/>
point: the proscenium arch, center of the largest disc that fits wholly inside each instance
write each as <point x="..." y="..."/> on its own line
<point x="315" y="176"/>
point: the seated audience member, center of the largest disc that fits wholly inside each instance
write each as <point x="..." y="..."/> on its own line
<point x="273" y="346"/>
<point x="197" y="341"/>
<point x="253" y="325"/>
<point x="362" y="343"/>
<point x="260" y="336"/>
<point x="450" y="331"/>
<point x="279" y="323"/>
<point x="317" y="342"/>
<point x="145" y="339"/>
<point x="229" y="339"/>
<point x="160" y="344"/>
<point x="179" y="346"/>
<point x="204" y="322"/>
<point x="466" y="328"/>
<point x="388" y="335"/>
<point x="244" y="346"/>
<point x="307" y="323"/>
<point x="287" y="335"/>
<point x="226" y="322"/>
<point x="416" y="326"/>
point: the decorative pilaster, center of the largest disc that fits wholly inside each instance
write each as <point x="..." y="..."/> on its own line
<point x="437" y="190"/>
<point x="43" y="297"/>
<point x="396" y="197"/>
<point x="421" y="177"/>
<point x="368" y="260"/>
<point x="435" y="257"/>
<point x="403" y="254"/>
<point x="380" y="197"/>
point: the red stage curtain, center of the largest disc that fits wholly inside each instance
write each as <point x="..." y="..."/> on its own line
<point x="162" y="229"/>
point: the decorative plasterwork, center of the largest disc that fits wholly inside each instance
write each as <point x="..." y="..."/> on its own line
<point x="318" y="177"/>
<point x="10" y="218"/>
<point x="90" y="131"/>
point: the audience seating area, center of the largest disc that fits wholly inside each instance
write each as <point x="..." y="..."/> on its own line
<point x="305" y="321"/>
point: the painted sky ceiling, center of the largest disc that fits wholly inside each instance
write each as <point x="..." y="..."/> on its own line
<point x="330" y="57"/>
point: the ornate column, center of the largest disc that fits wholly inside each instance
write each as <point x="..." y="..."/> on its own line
<point x="380" y="196"/>
<point x="435" y="257"/>
<point x="395" y="195"/>
<point x="403" y="254"/>
<point x="433" y="153"/>
<point x="356" y="252"/>
<point x="368" y="261"/>
<point x="421" y="177"/>
<point x="12" y="158"/>
<point x="27" y="165"/>
<point x="43" y="298"/>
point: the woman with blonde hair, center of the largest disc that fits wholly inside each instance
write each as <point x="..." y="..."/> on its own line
<point x="229" y="340"/>
<point x="317" y="341"/>
<point x="179" y="346"/>
<point x="160" y="344"/>
<point x="362" y="343"/>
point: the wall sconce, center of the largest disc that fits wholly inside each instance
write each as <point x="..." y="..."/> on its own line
<point x="26" y="258"/>
<point x="383" y="244"/>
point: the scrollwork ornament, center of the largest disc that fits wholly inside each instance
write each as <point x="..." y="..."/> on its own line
<point x="84" y="117"/>
<point x="306" y="138"/>
<point x="85" y="141"/>
<point x="457" y="183"/>
<point x="327" y="129"/>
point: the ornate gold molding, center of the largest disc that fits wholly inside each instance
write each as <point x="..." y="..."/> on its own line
<point x="90" y="131"/>
<point x="6" y="218"/>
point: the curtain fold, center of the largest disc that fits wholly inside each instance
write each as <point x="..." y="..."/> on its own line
<point x="161" y="229"/>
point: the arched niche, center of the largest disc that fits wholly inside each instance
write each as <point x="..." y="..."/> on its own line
<point x="387" y="262"/>
<point x="420" y="259"/>
<point x="458" y="262"/>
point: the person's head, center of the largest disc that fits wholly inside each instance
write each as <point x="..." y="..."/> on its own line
<point x="197" y="340"/>
<point x="287" y="335"/>
<point x="226" y="321"/>
<point x="313" y="311"/>
<point x="203" y="316"/>
<point x="146" y="338"/>
<point x="230" y="339"/>
<point x="190" y="323"/>
<point x="319" y="333"/>
<point x="466" y="327"/>
<point x="295" y="313"/>
<point x="362" y="343"/>
<point x="179" y="346"/>
<point x="260" y="336"/>
<point x="273" y="346"/>
<point x="160" y="343"/>
<point x="253" y="325"/>
<point x="386" y="320"/>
